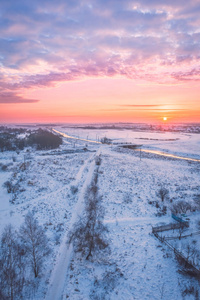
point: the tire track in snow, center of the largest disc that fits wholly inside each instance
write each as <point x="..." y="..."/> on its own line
<point x="59" y="273"/>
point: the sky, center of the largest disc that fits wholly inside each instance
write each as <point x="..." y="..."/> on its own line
<point x="99" y="61"/>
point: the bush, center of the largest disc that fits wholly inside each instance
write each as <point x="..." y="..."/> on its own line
<point x="191" y="290"/>
<point x="73" y="189"/>
<point x="8" y="185"/>
<point x="105" y="285"/>
<point x="9" y="140"/>
<point x="162" y="193"/>
<point x="181" y="207"/>
<point x="105" y="140"/>
<point x="5" y="144"/>
<point x="162" y="211"/>
<point x="98" y="160"/>
<point x="127" y="198"/>
<point x="157" y="205"/>
<point x="3" y="167"/>
<point x="44" y="140"/>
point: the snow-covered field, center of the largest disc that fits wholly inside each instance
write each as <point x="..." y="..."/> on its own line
<point x="138" y="265"/>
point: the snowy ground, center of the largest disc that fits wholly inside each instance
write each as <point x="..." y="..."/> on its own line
<point x="138" y="266"/>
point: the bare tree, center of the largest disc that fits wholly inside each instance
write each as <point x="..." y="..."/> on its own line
<point x="193" y="253"/>
<point x="190" y="251"/>
<point x="162" y="193"/>
<point x="35" y="243"/>
<point x="88" y="233"/>
<point x="12" y="266"/>
<point x="8" y="186"/>
<point x="181" y="207"/>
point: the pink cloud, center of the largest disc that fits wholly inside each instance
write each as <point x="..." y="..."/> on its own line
<point x="8" y="97"/>
<point x="149" y="40"/>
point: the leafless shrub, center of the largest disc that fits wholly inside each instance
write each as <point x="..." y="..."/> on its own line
<point x="162" y="211"/>
<point x="197" y="202"/>
<point x="191" y="290"/>
<point x="73" y="189"/>
<point x="127" y="198"/>
<point x="106" y="284"/>
<point x="181" y="207"/>
<point x="8" y="185"/>
<point x="181" y="230"/>
<point x="193" y="254"/>
<point x="98" y="160"/>
<point x="105" y="140"/>
<point x="162" y="193"/>
<point x="31" y="183"/>
<point x="57" y="237"/>
<point x="13" y="188"/>
<point x="3" y="167"/>
<point x="94" y="180"/>
<point x="191" y="260"/>
<point x="198" y="224"/>
<point x="157" y="205"/>
<point x="180" y="260"/>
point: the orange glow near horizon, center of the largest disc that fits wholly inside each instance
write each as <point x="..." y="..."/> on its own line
<point x="104" y="100"/>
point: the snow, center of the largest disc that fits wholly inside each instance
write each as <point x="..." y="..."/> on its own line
<point x="4" y="200"/>
<point x="63" y="261"/>
<point x="138" y="266"/>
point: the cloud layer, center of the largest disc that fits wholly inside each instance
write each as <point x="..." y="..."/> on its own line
<point x="42" y="43"/>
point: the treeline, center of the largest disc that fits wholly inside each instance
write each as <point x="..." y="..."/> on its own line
<point x="22" y="255"/>
<point x="44" y="140"/>
<point x="12" y="130"/>
<point x="40" y="139"/>
<point x="9" y="140"/>
<point x="89" y="234"/>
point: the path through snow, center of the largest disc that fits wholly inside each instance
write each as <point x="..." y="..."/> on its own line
<point x="59" y="274"/>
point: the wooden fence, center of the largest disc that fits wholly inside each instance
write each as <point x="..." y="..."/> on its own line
<point x="170" y="226"/>
<point x="188" y="263"/>
<point x="168" y="238"/>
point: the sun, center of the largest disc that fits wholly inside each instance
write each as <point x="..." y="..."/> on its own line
<point x="164" y="118"/>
